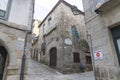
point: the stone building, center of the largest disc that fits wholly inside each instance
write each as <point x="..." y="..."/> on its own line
<point x="35" y="53"/>
<point x="35" y="35"/>
<point x="15" y="24"/>
<point x="35" y="29"/>
<point x="102" y="19"/>
<point x="63" y="38"/>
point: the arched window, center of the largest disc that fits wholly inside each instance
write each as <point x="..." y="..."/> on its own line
<point x="75" y="33"/>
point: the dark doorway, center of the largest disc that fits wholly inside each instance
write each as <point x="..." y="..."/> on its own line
<point x="53" y="57"/>
<point x="3" y="55"/>
<point x="116" y="38"/>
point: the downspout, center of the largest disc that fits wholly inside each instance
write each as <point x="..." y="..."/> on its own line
<point x="24" y="57"/>
<point x="91" y="51"/>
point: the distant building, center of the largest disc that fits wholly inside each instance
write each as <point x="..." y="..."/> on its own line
<point x="102" y="18"/>
<point x="35" y="29"/>
<point x="63" y="39"/>
<point x="15" y="29"/>
<point x="35" y="53"/>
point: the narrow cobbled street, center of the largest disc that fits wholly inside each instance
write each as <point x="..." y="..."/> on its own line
<point x="38" y="71"/>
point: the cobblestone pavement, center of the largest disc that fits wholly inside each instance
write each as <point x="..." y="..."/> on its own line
<point x="38" y="71"/>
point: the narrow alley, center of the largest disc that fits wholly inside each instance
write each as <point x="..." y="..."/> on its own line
<point x="59" y="39"/>
<point x="38" y="71"/>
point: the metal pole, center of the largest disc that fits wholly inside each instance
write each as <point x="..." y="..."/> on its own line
<point x="24" y="58"/>
<point x="23" y="67"/>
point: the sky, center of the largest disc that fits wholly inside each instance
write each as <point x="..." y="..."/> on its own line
<point x="43" y="7"/>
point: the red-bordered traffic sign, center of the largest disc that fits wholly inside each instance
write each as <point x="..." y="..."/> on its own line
<point x="98" y="55"/>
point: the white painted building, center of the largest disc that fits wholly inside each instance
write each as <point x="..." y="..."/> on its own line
<point x="16" y="17"/>
<point x="16" y="11"/>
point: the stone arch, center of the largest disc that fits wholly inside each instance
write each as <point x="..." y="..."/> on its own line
<point x="6" y="42"/>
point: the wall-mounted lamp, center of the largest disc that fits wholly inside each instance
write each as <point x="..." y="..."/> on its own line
<point x="97" y="11"/>
<point x="98" y="5"/>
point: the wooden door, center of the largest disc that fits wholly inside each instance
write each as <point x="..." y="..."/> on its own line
<point x="53" y="57"/>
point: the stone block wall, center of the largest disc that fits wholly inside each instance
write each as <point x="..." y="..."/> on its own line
<point x="13" y="40"/>
<point x="55" y="29"/>
<point x="99" y="27"/>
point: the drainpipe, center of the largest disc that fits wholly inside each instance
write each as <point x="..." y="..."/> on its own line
<point x="24" y="57"/>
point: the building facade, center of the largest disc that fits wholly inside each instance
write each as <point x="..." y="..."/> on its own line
<point x="63" y="39"/>
<point x="15" y="24"/>
<point x="102" y="19"/>
<point x="35" y="29"/>
<point x="35" y="52"/>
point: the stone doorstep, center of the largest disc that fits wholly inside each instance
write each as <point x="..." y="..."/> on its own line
<point x="12" y="70"/>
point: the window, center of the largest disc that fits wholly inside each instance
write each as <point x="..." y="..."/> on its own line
<point x="49" y="19"/>
<point x="43" y="47"/>
<point x="118" y="42"/>
<point x="116" y="38"/>
<point x="88" y="60"/>
<point x="34" y="53"/>
<point x="75" y="33"/>
<point x="76" y="57"/>
<point x="4" y="5"/>
<point x="43" y="52"/>
<point x="43" y="25"/>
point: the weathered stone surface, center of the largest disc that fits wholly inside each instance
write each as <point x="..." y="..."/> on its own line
<point x="99" y="27"/>
<point x="55" y="29"/>
<point x="104" y="73"/>
<point x="97" y="72"/>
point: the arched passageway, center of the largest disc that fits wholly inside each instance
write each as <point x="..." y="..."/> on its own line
<point x="6" y="42"/>
<point x="3" y="56"/>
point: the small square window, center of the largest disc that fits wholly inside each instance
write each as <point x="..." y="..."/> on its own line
<point x="2" y="13"/>
<point x="49" y="19"/>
